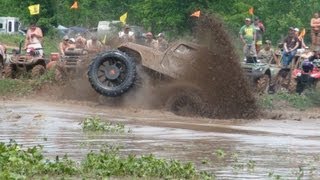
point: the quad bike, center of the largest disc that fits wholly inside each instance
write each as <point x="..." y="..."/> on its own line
<point x="19" y="63"/>
<point x="70" y="66"/>
<point x="315" y="72"/>
<point x="260" y="74"/>
<point x="286" y="78"/>
<point x="114" y="73"/>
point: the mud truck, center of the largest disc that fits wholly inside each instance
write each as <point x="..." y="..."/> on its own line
<point x="113" y="73"/>
<point x="19" y="63"/>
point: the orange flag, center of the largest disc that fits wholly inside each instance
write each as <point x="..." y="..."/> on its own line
<point x="196" y="14"/>
<point x="74" y="5"/>
<point x="251" y="11"/>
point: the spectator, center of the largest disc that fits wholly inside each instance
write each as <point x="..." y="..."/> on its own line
<point x="290" y="47"/>
<point x="267" y="54"/>
<point x="33" y="39"/>
<point x="150" y="41"/>
<point x="126" y="35"/>
<point x="248" y="38"/>
<point x="94" y="45"/>
<point x="162" y="44"/>
<point x="65" y="44"/>
<point x="315" y="30"/>
<point x="80" y="41"/>
<point x="259" y="27"/>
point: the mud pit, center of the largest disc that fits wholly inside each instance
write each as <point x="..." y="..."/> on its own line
<point x="232" y="149"/>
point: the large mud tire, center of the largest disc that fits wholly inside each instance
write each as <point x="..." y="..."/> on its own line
<point x="262" y="85"/>
<point x="112" y="73"/>
<point x="37" y="71"/>
<point x="8" y="71"/>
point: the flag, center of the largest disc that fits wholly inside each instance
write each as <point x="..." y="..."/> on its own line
<point x="74" y="5"/>
<point x="123" y="18"/>
<point x="251" y="11"/>
<point x="196" y="14"/>
<point x="104" y="39"/>
<point x="34" y="9"/>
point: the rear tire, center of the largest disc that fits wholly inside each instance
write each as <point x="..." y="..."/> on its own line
<point x="184" y="100"/>
<point x="37" y="71"/>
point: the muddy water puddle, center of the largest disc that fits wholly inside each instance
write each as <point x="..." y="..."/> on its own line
<point x="260" y="149"/>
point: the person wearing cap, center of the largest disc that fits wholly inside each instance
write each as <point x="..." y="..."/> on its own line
<point x="259" y="27"/>
<point x="267" y="54"/>
<point x="126" y="35"/>
<point x="290" y="46"/>
<point x="65" y="44"/>
<point x="248" y="38"/>
<point x="34" y="38"/>
<point x="94" y="45"/>
<point x="150" y="41"/>
<point x="162" y="44"/>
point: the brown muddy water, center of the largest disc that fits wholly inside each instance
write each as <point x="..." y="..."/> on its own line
<point x="231" y="149"/>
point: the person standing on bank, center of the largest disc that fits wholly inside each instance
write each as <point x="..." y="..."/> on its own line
<point x="248" y="38"/>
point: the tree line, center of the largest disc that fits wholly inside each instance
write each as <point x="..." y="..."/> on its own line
<point x="168" y="16"/>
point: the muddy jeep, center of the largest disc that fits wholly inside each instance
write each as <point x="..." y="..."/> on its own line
<point x="22" y="63"/>
<point x="114" y="72"/>
<point x="260" y="74"/>
<point x="72" y="65"/>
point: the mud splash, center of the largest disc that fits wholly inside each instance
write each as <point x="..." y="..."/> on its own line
<point x="218" y="73"/>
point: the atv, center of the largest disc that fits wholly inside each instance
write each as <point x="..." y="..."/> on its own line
<point x="114" y="73"/>
<point x="19" y="63"/>
<point x="72" y="65"/>
<point x="315" y="73"/>
<point x="260" y="74"/>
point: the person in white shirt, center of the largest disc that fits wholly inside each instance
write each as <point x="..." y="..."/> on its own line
<point x="126" y="35"/>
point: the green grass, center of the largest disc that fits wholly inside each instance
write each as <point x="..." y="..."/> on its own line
<point x="23" y="85"/>
<point x="94" y="124"/>
<point x="17" y="162"/>
<point x="307" y="100"/>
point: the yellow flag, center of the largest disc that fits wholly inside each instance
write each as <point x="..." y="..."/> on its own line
<point x="196" y="14"/>
<point x="34" y="9"/>
<point x="123" y="18"/>
<point x="74" y="5"/>
<point x="104" y="39"/>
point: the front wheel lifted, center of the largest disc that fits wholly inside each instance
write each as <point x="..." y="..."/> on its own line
<point x="112" y="73"/>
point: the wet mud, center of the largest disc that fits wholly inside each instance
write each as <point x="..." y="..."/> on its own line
<point x="232" y="149"/>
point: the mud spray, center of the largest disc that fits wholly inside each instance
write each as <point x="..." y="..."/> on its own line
<point x="219" y="74"/>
